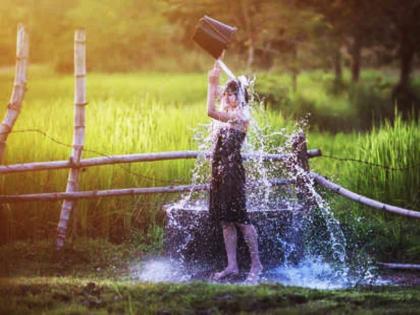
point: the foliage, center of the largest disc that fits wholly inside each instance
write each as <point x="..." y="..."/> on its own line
<point x="274" y="93"/>
<point x="333" y="106"/>
<point x="292" y="36"/>
<point x="121" y="35"/>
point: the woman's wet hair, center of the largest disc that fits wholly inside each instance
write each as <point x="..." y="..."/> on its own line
<point x="233" y="87"/>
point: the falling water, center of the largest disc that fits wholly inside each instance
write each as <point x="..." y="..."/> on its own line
<point x="323" y="263"/>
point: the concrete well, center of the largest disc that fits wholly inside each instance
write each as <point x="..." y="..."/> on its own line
<point x="193" y="238"/>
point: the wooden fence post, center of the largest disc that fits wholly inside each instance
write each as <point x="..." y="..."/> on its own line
<point x="298" y="166"/>
<point x="78" y="132"/>
<point x="19" y="88"/>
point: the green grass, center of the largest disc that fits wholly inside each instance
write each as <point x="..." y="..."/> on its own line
<point x="126" y="114"/>
<point x="151" y="112"/>
<point x="93" y="276"/>
<point x="82" y="258"/>
<point x="385" y="236"/>
<point x="80" y="296"/>
<point x="391" y="145"/>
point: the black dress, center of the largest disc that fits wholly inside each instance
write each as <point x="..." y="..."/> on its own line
<point x="227" y="201"/>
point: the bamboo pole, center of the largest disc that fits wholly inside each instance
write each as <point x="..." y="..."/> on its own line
<point x="19" y="88"/>
<point x="130" y="158"/>
<point x="114" y="192"/>
<point x="399" y="266"/>
<point x="362" y="199"/>
<point x="100" y="193"/>
<point x="78" y="132"/>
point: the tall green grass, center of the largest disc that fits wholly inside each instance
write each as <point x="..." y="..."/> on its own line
<point x="151" y="112"/>
<point x="392" y="153"/>
<point x="395" y="146"/>
<point x="126" y="114"/>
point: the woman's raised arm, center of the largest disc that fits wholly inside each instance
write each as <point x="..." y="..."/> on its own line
<point x="212" y="112"/>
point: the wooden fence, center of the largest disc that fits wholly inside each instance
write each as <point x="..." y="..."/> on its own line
<point x="299" y="156"/>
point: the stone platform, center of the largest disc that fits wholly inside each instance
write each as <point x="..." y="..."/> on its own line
<point x="191" y="237"/>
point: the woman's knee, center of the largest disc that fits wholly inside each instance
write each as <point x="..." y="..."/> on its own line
<point x="228" y="226"/>
<point x="246" y="227"/>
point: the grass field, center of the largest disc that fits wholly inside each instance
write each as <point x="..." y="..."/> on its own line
<point x="151" y="112"/>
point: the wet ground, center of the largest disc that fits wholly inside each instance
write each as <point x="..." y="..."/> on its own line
<point x="309" y="274"/>
<point x="402" y="278"/>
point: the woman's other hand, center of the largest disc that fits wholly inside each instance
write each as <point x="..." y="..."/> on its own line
<point x="214" y="74"/>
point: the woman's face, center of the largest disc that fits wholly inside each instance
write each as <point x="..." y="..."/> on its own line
<point x="230" y="99"/>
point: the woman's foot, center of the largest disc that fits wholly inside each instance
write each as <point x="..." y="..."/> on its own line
<point x="225" y="273"/>
<point x="254" y="273"/>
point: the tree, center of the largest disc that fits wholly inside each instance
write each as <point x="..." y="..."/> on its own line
<point x="403" y="28"/>
<point x="246" y="15"/>
<point x="267" y="29"/>
<point x="352" y="23"/>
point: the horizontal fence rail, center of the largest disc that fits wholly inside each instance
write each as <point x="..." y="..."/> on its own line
<point x="399" y="266"/>
<point x="362" y="199"/>
<point x="130" y="158"/>
<point x="115" y="192"/>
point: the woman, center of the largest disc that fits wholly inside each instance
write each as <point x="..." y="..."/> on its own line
<point x="227" y="202"/>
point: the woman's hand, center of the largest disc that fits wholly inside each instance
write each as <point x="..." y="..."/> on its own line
<point x="214" y="74"/>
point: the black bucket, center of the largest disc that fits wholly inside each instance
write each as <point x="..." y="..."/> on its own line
<point x="213" y="36"/>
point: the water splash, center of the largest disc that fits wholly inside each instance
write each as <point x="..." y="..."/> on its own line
<point x="160" y="270"/>
<point x="323" y="263"/>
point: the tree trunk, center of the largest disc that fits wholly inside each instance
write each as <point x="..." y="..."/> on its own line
<point x="338" y="69"/>
<point x="247" y="14"/>
<point x="356" y="51"/>
<point x="251" y="54"/>
<point x="294" y="69"/>
<point x="4" y="226"/>
<point x="402" y="95"/>
<point x="407" y="52"/>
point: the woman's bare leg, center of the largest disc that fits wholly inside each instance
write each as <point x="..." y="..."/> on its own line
<point x="251" y="238"/>
<point x="231" y="239"/>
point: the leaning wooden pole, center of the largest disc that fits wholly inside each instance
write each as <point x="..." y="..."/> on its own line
<point x="78" y="132"/>
<point x="19" y="88"/>
<point x="362" y="199"/>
